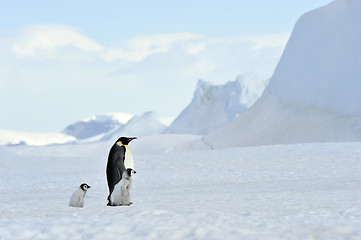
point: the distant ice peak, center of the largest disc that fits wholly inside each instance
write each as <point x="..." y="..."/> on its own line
<point x="215" y="105"/>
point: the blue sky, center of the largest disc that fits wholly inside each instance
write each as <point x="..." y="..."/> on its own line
<point x="109" y="21"/>
<point x="61" y="61"/>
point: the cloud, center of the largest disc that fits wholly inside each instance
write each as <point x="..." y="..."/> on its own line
<point x="195" y="48"/>
<point x="217" y="59"/>
<point x="36" y="39"/>
<point x="49" y="67"/>
<point x="140" y="47"/>
<point x="205" y="54"/>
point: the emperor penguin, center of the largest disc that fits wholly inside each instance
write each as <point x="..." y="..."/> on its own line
<point x="77" y="199"/>
<point x="121" y="193"/>
<point x="120" y="158"/>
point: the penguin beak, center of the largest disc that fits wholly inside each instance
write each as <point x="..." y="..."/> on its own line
<point x="135" y="172"/>
<point x="130" y="139"/>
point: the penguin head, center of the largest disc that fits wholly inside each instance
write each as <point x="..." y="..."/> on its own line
<point x="130" y="172"/>
<point x="125" y="140"/>
<point x="84" y="187"/>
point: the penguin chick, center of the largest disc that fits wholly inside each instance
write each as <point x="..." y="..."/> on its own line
<point x="77" y="199"/>
<point x="121" y="193"/>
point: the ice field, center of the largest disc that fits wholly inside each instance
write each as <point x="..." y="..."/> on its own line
<point x="303" y="191"/>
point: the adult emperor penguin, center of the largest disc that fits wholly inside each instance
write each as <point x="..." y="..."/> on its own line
<point x="121" y="193"/>
<point x="120" y="158"/>
<point x="77" y="199"/>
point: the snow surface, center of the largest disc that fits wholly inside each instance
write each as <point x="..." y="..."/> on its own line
<point x="314" y="93"/>
<point x="305" y="191"/>
<point x="215" y="105"/>
<point x="184" y="190"/>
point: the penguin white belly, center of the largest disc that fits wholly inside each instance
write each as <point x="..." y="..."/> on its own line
<point x="128" y="161"/>
<point x="77" y="199"/>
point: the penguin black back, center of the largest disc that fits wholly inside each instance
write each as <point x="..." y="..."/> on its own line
<point x="115" y="165"/>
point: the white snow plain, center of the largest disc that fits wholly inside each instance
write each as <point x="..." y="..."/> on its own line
<point x="304" y="191"/>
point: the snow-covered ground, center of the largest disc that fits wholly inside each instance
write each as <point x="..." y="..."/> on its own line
<point x="185" y="190"/>
<point x="305" y="191"/>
